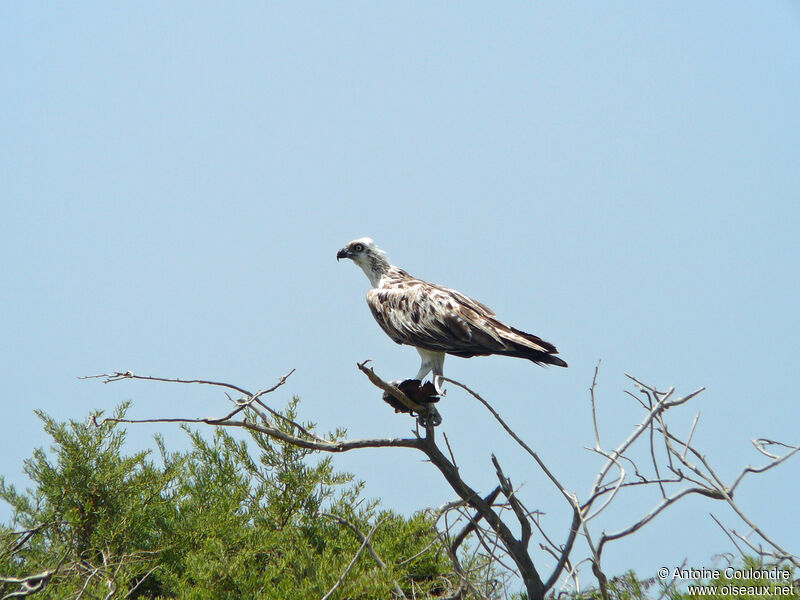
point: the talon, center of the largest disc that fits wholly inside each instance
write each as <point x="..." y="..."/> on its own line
<point x="433" y="417"/>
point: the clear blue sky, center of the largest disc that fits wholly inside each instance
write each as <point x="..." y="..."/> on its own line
<point x="620" y="178"/>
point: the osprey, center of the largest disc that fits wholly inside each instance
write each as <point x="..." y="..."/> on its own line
<point x="437" y="320"/>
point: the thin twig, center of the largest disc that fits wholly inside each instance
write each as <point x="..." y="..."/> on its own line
<point x="730" y="537"/>
<point x="594" y="409"/>
<point x="364" y="543"/>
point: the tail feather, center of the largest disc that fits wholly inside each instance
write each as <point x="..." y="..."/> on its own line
<point x="552" y="360"/>
<point x="534" y="348"/>
<point x="538" y="342"/>
<point x="540" y="358"/>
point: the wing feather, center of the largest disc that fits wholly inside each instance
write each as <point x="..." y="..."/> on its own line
<point x="420" y="314"/>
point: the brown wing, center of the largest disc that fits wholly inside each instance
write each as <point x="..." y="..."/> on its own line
<point x="423" y="315"/>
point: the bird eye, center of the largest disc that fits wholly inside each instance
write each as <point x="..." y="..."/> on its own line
<point x="358" y="247"/>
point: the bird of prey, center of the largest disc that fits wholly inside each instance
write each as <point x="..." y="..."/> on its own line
<point x="437" y="320"/>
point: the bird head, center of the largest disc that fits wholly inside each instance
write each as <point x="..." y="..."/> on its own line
<point x="358" y="250"/>
<point x="366" y="255"/>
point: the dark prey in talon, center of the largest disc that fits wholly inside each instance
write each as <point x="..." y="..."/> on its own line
<point x="414" y="389"/>
<point x="437" y="320"/>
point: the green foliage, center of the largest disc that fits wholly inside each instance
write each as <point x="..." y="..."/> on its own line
<point x="229" y="518"/>
<point x="96" y="508"/>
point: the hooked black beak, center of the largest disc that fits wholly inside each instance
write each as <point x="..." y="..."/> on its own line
<point x="343" y="253"/>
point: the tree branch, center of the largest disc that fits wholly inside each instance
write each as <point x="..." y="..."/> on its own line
<point x="680" y="462"/>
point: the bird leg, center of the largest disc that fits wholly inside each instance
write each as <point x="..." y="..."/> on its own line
<point x="431" y="361"/>
<point x="438" y="373"/>
<point x="424" y="369"/>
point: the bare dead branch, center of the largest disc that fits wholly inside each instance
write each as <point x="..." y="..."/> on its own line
<point x="120" y="375"/>
<point x="492" y="546"/>
<point x="762" y="443"/>
<point x="774" y="463"/>
<point x="323" y="445"/>
<point x="727" y="496"/>
<point x="515" y="437"/>
<point x="615" y="486"/>
<point x="594" y="411"/>
<point x="653" y="513"/>
<point x="691" y="434"/>
<point x="389" y="388"/>
<point x="516" y="506"/>
<point x="427" y="412"/>
<point x="24" y="536"/>
<point x="473" y="521"/>
<point x="730" y="537"/>
<point x="32" y="584"/>
<point x="658" y="478"/>
<point x="28" y="585"/>
<point x="659" y="406"/>
<point x="679" y="470"/>
<point x="566" y="550"/>
<point x="516" y="551"/>
<point x="450" y="450"/>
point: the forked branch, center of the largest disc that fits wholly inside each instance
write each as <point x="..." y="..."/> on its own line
<point x="672" y="463"/>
